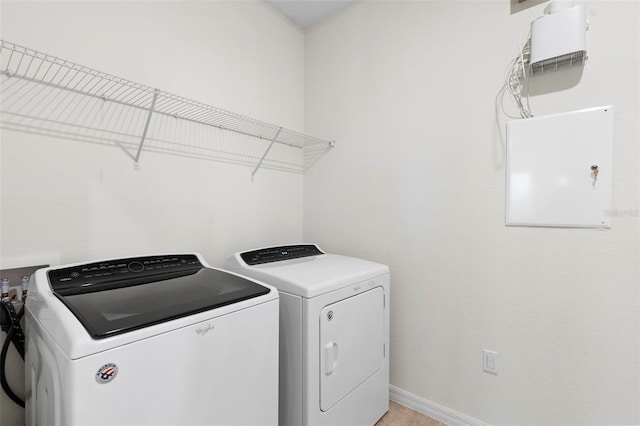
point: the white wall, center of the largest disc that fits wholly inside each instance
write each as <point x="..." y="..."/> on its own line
<point x="417" y="181"/>
<point x="85" y="202"/>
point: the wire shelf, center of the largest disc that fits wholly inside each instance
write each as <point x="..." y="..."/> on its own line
<point x="46" y="95"/>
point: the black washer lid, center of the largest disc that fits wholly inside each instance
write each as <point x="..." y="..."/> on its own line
<point x="139" y="297"/>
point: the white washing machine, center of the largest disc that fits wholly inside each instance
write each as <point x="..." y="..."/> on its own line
<point x="334" y="333"/>
<point x="154" y="340"/>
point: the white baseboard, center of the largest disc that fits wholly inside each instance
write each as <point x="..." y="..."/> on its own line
<point x="431" y="409"/>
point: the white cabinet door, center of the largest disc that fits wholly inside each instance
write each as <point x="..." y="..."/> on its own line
<point x="351" y="344"/>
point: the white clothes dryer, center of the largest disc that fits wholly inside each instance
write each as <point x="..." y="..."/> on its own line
<point x="153" y="340"/>
<point x="334" y="333"/>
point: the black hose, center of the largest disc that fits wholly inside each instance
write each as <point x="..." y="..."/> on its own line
<point x="3" y="378"/>
<point x="14" y="324"/>
<point x="13" y="335"/>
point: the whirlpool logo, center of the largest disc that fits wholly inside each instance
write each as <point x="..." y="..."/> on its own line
<point x="201" y="331"/>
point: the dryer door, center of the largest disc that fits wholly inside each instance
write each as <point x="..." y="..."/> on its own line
<point x="351" y="344"/>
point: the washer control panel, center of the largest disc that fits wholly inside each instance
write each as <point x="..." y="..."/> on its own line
<point x="119" y="269"/>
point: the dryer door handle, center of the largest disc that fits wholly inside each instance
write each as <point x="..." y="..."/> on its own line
<point x="330" y="357"/>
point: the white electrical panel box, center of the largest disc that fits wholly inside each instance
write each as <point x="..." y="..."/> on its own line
<point x="559" y="169"/>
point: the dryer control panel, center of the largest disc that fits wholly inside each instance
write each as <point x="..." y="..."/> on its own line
<point x="276" y="254"/>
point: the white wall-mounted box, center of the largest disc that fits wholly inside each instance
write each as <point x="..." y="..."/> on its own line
<point x="559" y="37"/>
<point x="551" y="179"/>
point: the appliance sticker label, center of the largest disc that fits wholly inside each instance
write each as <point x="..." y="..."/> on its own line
<point x="106" y="373"/>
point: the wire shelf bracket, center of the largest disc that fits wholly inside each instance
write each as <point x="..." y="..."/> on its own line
<point x="265" y="153"/>
<point x="45" y="95"/>
<point x="146" y="128"/>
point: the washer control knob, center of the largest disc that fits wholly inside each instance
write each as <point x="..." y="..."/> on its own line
<point x="136" y="267"/>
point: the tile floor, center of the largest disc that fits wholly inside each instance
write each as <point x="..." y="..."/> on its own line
<point x="399" y="415"/>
